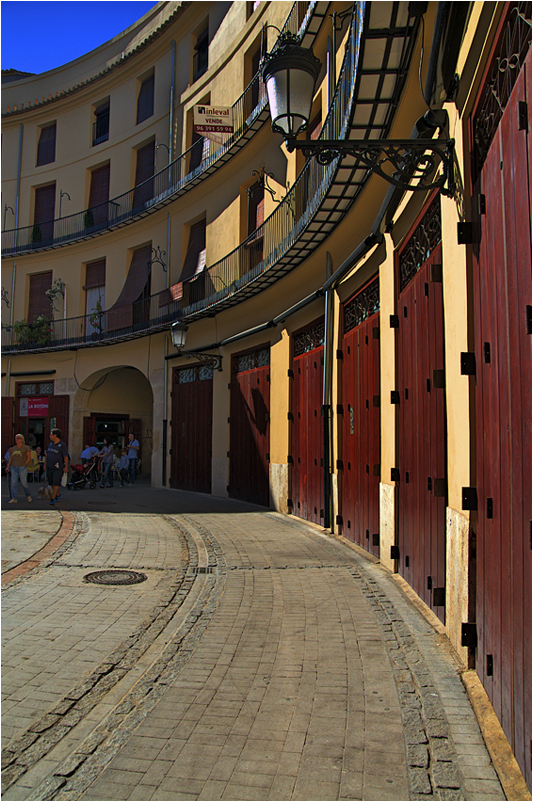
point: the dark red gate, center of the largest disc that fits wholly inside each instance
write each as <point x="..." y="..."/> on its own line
<point x="361" y="419"/>
<point x="192" y="426"/>
<point x="502" y="315"/>
<point x="250" y="427"/>
<point x="307" y="473"/>
<point x="422" y="469"/>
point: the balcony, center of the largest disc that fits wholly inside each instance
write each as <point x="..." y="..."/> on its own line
<point x="165" y="186"/>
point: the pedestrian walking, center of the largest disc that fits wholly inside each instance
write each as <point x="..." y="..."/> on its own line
<point x="19" y="459"/>
<point x="56" y="463"/>
<point x="133" y="453"/>
<point x="107" y="452"/>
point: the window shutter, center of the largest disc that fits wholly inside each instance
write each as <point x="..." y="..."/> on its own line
<point x="46" y="149"/>
<point x="144" y="188"/>
<point x="121" y="313"/>
<point x="145" y="101"/>
<point x="39" y="303"/>
<point x="95" y="275"/>
<point x="43" y="217"/>
<point x="194" y="261"/>
<point x="256" y="209"/>
<point x="99" y="194"/>
<point x="315" y="127"/>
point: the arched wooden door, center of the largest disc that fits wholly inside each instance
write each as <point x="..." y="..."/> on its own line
<point x="501" y="145"/>
<point x="192" y="427"/>
<point x="420" y="396"/>
<point x="307" y="472"/>
<point x="361" y="419"/>
<point x="249" y="458"/>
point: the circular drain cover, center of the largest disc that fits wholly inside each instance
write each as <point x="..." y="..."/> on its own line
<point x="115" y="577"/>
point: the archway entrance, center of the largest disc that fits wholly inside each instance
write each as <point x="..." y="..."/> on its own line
<point x="113" y="403"/>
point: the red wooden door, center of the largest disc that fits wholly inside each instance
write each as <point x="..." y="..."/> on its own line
<point x="307" y="473"/>
<point x="192" y="428"/>
<point x="422" y="485"/>
<point x="250" y="427"/>
<point x="361" y="419"/>
<point x="502" y="315"/>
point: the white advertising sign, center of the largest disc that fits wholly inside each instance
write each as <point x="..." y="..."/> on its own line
<point x="213" y="122"/>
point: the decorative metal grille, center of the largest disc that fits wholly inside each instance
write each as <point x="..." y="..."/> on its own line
<point x="364" y="305"/>
<point x="28" y="389"/>
<point x="512" y="50"/>
<point x="46" y="388"/>
<point x="187" y="375"/>
<point x="308" y="340"/>
<point x="422" y="243"/>
<point x="197" y="373"/>
<point x="254" y="359"/>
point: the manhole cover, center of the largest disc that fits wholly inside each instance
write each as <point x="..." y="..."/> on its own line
<point x="115" y="577"/>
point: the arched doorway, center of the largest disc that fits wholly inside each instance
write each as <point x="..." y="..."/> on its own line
<point x="112" y="403"/>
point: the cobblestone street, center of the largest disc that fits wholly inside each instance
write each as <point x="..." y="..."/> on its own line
<point x="260" y="659"/>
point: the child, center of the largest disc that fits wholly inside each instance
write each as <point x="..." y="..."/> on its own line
<point x="123" y="466"/>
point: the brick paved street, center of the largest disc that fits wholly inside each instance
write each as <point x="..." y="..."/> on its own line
<point x="260" y="659"/>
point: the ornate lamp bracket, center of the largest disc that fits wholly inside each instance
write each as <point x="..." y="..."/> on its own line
<point x="410" y="159"/>
<point x="213" y="361"/>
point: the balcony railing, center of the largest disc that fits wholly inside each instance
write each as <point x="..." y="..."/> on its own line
<point x="146" y="314"/>
<point x="163" y="187"/>
<point x="254" y="258"/>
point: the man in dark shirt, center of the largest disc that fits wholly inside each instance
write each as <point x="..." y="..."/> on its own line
<point x="56" y="463"/>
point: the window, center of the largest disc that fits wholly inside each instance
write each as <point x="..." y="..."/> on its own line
<point x="200" y="61"/>
<point x="98" y="211"/>
<point x="199" y="150"/>
<point x="43" y="215"/>
<point x="132" y="305"/>
<point x="39" y="302"/>
<point x="144" y="188"/>
<point x="145" y="100"/>
<point x="101" y="123"/>
<point x="35" y="388"/>
<point x="94" y="297"/>
<point x="256" y="216"/>
<point x="46" y="148"/>
<point x="194" y="261"/>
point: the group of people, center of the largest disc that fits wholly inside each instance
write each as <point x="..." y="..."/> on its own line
<point x="56" y="465"/>
<point x="126" y="464"/>
<point x="56" y="462"/>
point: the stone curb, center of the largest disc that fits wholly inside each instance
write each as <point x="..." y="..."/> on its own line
<point x="81" y="768"/>
<point x="64" y="532"/>
<point x="48" y="730"/>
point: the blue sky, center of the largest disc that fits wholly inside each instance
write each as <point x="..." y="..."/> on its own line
<point x="39" y="36"/>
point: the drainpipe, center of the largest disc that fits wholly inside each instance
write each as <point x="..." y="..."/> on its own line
<point x="171" y="115"/>
<point x="12" y="312"/>
<point x="19" y="171"/>
<point x="327" y="398"/>
<point x="165" y="420"/>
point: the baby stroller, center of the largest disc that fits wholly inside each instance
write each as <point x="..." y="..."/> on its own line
<point x="82" y="475"/>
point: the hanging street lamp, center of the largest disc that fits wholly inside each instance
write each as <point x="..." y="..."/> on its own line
<point x="290" y="72"/>
<point x="178" y="334"/>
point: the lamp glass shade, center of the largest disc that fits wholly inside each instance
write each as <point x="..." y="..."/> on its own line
<point x="290" y="73"/>
<point x="290" y="95"/>
<point x="178" y="332"/>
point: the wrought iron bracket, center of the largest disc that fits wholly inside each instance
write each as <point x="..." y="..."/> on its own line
<point x="410" y="159"/>
<point x="213" y="361"/>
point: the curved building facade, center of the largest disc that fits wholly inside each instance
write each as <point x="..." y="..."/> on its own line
<point x="358" y="352"/>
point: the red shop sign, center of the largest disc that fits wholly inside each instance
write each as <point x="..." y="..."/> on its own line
<point x="38" y="407"/>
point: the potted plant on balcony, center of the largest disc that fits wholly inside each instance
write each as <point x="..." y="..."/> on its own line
<point x="32" y="334"/>
<point x="88" y="219"/>
<point x="95" y="319"/>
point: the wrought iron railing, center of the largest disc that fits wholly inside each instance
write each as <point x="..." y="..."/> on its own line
<point x="146" y="314"/>
<point x="260" y="252"/>
<point x="160" y="188"/>
<point x="266" y="245"/>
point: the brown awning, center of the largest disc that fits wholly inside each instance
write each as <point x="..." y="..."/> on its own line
<point x="120" y="315"/>
<point x="173" y="293"/>
<point x="194" y="261"/>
